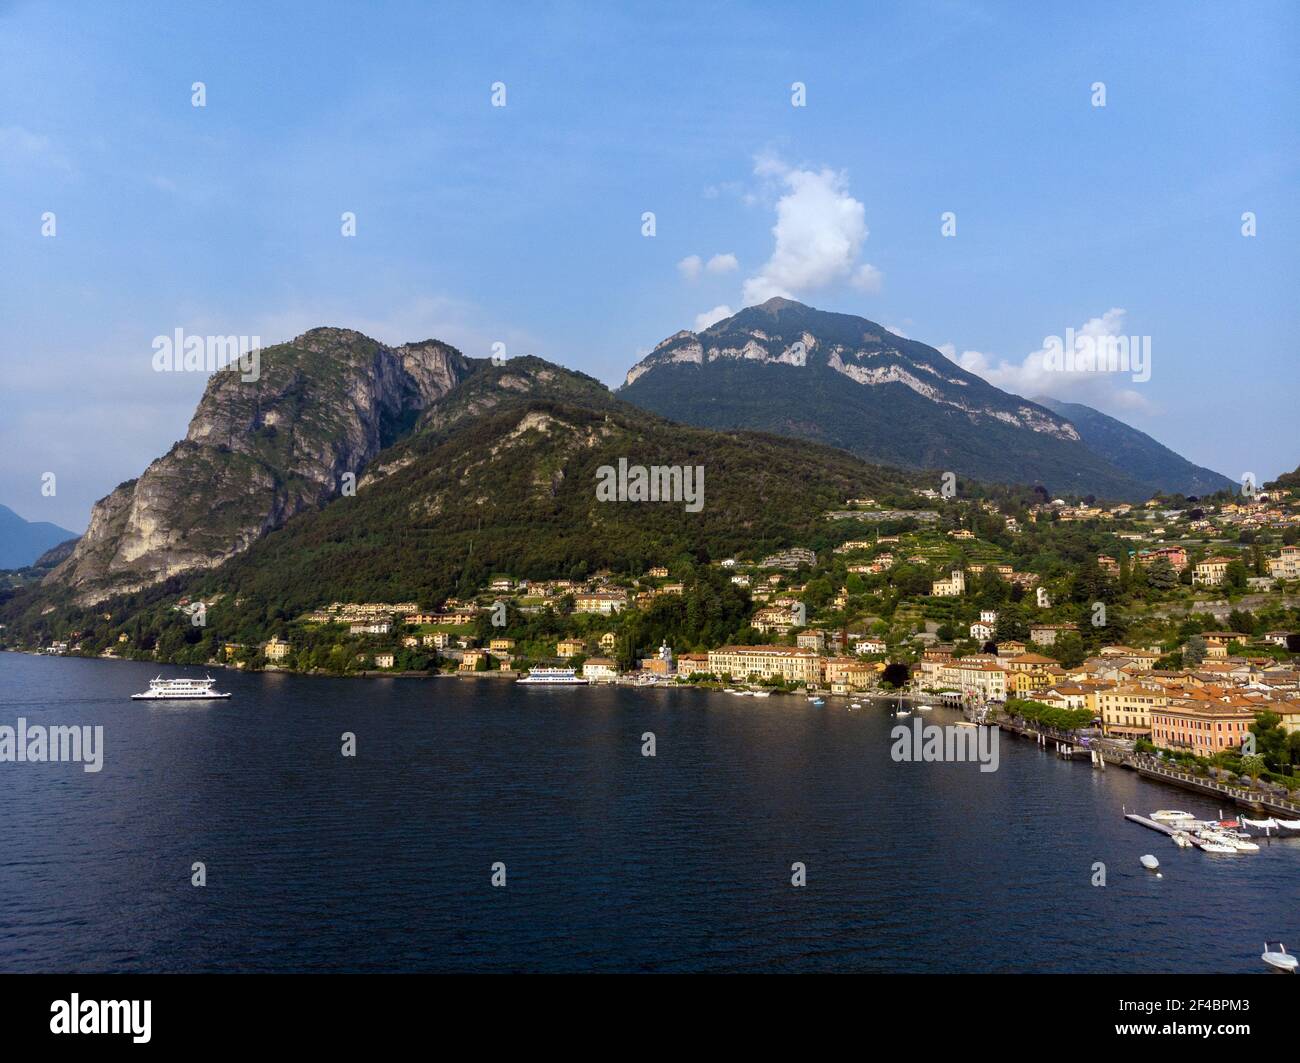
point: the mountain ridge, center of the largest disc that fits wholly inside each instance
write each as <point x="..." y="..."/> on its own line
<point x="23" y="542"/>
<point x="911" y="406"/>
<point x="1150" y="460"/>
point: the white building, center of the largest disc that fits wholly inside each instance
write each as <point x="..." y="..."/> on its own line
<point x="952" y="587"/>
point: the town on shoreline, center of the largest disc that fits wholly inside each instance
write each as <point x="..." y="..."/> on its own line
<point x="1170" y="626"/>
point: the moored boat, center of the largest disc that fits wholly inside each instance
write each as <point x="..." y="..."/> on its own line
<point x="1280" y="960"/>
<point x="1172" y="816"/>
<point x="552" y="677"/>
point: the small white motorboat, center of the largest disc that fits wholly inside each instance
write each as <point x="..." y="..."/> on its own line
<point x="1182" y="840"/>
<point x="1150" y="863"/>
<point x="1168" y="815"/>
<point x="903" y="712"/>
<point x="1280" y="960"/>
<point x="761" y="693"/>
<point x="1217" y="847"/>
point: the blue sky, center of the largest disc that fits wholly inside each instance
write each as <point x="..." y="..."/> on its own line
<point x="522" y="224"/>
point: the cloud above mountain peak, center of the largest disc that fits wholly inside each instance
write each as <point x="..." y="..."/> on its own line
<point x="820" y="230"/>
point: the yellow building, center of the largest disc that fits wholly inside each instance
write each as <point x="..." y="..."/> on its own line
<point x="1210" y="572"/>
<point x="570" y="648"/>
<point x="275" y="650"/>
<point x="766" y="662"/>
<point x="1125" y="711"/>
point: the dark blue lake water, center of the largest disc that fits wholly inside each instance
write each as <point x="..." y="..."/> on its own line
<point x="614" y="861"/>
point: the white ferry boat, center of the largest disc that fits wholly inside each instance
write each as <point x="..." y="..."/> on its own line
<point x="553" y="677"/>
<point x="180" y="689"/>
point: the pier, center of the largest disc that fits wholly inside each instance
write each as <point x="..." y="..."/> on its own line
<point x="1100" y="752"/>
<point x="1164" y="828"/>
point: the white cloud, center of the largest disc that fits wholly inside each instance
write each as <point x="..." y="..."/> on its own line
<point x="1039" y="372"/>
<point x="693" y="265"/>
<point x="867" y="278"/>
<point x="690" y="267"/>
<point x="819" y="231"/>
<point x="712" y="317"/>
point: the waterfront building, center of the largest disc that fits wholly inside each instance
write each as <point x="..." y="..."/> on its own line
<point x="691" y="663"/>
<point x="766" y="662"/>
<point x="1126" y="710"/>
<point x="275" y="650"/>
<point x="1201" y="726"/>
<point x="600" y="670"/>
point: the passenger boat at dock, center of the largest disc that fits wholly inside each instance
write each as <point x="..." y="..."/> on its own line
<point x="161" y="689"/>
<point x="552" y="677"/>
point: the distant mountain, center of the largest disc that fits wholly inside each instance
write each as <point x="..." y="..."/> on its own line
<point x="257" y="453"/>
<point x="22" y="542"/>
<point x="849" y="382"/>
<point x="1137" y="453"/>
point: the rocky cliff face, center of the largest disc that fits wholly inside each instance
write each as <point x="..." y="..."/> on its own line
<point x="257" y="453"/>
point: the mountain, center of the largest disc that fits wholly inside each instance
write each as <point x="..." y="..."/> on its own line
<point x="1146" y="460"/>
<point x="498" y="474"/>
<point x="257" y="453"/>
<point x="22" y="542"/>
<point x="501" y="477"/>
<point x="848" y="382"/>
